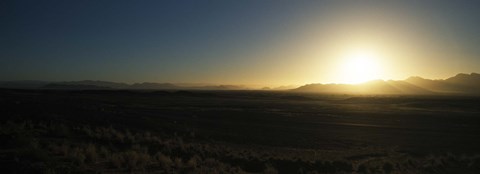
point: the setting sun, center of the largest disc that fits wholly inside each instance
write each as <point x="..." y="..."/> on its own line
<point x="250" y="86"/>
<point x="360" y="66"/>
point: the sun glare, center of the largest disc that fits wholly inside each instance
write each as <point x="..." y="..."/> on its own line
<point x="360" y="66"/>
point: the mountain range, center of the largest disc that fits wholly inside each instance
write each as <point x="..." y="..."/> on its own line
<point x="461" y="84"/>
<point x="105" y="85"/>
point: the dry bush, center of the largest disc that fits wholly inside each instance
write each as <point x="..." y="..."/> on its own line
<point x="62" y="149"/>
<point x="129" y="137"/>
<point x="139" y="148"/>
<point x="139" y="137"/>
<point x="119" y="136"/>
<point x="136" y="160"/>
<point x="91" y="153"/>
<point x="147" y="136"/>
<point x="87" y="130"/>
<point x="193" y="162"/>
<point x="165" y="161"/>
<point x="178" y="163"/>
<point x="269" y="169"/>
<point x="143" y="160"/>
<point x="210" y="162"/>
<point x="117" y="160"/>
<point x="131" y="159"/>
<point x="388" y="167"/>
<point x="60" y="130"/>
<point x="78" y="156"/>
<point x="104" y="152"/>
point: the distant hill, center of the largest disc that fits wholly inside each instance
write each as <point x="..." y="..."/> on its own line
<point x="285" y="87"/>
<point x="459" y="84"/>
<point x="221" y="87"/>
<point x="73" y="87"/>
<point x="279" y="88"/>
<point x="147" y="85"/>
<point x="23" y="84"/>
<point x="374" y="87"/>
<point x="463" y="84"/>
<point x="91" y="84"/>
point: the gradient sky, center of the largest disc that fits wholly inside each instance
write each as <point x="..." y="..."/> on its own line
<point x="268" y="42"/>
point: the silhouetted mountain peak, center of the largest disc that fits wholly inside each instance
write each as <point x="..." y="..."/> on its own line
<point x="459" y="84"/>
<point x="414" y="78"/>
<point x="464" y="77"/>
<point x="73" y="86"/>
<point x="149" y="85"/>
<point x="98" y="83"/>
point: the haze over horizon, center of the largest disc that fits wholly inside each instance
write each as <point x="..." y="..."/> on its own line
<point x="265" y="43"/>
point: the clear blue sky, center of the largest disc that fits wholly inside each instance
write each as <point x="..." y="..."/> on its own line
<point x="236" y="42"/>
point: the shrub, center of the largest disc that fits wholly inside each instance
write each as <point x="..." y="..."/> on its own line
<point x="143" y="160"/>
<point x="87" y="130"/>
<point x="62" y="149"/>
<point x="362" y="169"/>
<point x="210" y="162"/>
<point x="130" y="136"/>
<point x="91" y="153"/>
<point x="269" y="169"/>
<point x="78" y="156"/>
<point x="164" y="160"/>
<point x="178" y="162"/>
<point x="193" y="162"/>
<point x="104" y="152"/>
<point x="131" y="159"/>
<point x="343" y="166"/>
<point x="387" y="167"/>
<point x="60" y="130"/>
<point x="119" y="136"/>
<point x="117" y="160"/>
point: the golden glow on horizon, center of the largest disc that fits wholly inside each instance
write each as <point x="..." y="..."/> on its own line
<point x="341" y="46"/>
<point x="360" y="65"/>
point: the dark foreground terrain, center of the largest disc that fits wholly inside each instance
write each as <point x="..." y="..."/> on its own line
<point x="47" y="131"/>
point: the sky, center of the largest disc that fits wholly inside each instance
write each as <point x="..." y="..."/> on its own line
<point x="249" y="42"/>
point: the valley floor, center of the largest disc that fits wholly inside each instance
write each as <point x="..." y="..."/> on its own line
<point x="108" y="131"/>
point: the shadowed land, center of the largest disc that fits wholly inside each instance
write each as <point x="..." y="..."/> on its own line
<point x="112" y="131"/>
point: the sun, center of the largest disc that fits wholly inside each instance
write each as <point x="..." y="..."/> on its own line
<point x="360" y="66"/>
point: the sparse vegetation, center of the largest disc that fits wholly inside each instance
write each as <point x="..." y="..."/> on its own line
<point x="59" y="143"/>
